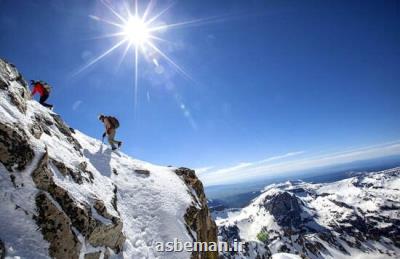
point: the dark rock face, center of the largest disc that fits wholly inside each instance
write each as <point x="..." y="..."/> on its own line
<point x="56" y="228"/>
<point x="229" y="233"/>
<point x="79" y="214"/>
<point x="2" y="250"/>
<point x="286" y="209"/>
<point x="198" y="217"/>
<point x="3" y="85"/>
<point x="15" y="150"/>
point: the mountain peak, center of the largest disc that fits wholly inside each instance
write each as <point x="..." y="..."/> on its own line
<point x="67" y="195"/>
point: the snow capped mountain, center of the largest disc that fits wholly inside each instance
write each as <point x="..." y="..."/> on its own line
<point x="66" y="195"/>
<point x="358" y="217"/>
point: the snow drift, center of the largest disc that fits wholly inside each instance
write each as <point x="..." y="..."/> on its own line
<point x="66" y="195"/>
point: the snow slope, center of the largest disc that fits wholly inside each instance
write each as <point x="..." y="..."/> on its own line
<point x="150" y="200"/>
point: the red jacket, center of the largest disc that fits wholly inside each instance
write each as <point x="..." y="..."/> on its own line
<point x="39" y="88"/>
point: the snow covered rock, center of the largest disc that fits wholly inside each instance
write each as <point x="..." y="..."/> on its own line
<point x="66" y="195"/>
<point x="15" y="150"/>
<point x="198" y="217"/>
<point x="358" y="216"/>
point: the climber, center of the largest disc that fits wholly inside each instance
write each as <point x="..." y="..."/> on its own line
<point x="44" y="91"/>
<point x="111" y="124"/>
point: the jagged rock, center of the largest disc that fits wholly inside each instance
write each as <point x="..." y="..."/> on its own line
<point x="78" y="174"/>
<point x="83" y="168"/>
<point x="108" y="235"/>
<point x="115" y="199"/>
<point x="229" y="233"/>
<point x="97" y="233"/>
<point x="3" y="85"/>
<point x="40" y="125"/>
<point x="18" y="101"/>
<point x="285" y="208"/>
<point x="66" y="130"/>
<point x="19" y="93"/>
<point x="2" y="250"/>
<point x="15" y="150"/>
<point x="95" y="255"/>
<point x="142" y="172"/>
<point x="64" y="170"/>
<point x="197" y="217"/>
<point x="102" y="210"/>
<point x="36" y="130"/>
<point x="43" y="120"/>
<point x="56" y="229"/>
<point x="329" y="238"/>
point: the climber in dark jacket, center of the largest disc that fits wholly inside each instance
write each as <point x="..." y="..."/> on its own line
<point x="44" y="92"/>
<point x="111" y="124"/>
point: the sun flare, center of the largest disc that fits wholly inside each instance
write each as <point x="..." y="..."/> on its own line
<point x="136" y="31"/>
<point x="139" y="30"/>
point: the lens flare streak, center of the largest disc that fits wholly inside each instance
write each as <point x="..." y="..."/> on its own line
<point x="137" y="32"/>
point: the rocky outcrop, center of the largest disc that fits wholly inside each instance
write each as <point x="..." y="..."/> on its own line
<point x="80" y="215"/>
<point x="19" y="93"/>
<point x="56" y="228"/>
<point x="285" y="208"/>
<point x="15" y="150"/>
<point x="78" y="175"/>
<point x="198" y="218"/>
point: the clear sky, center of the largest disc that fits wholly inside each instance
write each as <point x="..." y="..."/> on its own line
<point x="266" y="79"/>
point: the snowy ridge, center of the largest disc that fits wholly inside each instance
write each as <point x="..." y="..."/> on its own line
<point x="105" y="203"/>
<point x="358" y="217"/>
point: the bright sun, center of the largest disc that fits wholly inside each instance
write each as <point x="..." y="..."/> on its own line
<point x="139" y="31"/>
<point x="136" y="31"/>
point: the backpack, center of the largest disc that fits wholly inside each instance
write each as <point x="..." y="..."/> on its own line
<point x="47" y="87"/>
<point x="114" y="121"/>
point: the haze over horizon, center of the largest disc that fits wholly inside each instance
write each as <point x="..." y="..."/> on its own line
<point x="254" y="87"/>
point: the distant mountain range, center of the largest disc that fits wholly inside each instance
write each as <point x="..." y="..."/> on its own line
<point x="240" y="194"/>
<point x="358" y="217"/>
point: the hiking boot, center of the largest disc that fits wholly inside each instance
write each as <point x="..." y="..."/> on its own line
<point x="119" y="144"/>
<point x="113" y="148"/>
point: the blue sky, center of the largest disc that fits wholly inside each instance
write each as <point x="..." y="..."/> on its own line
<point x="268" y="78"/>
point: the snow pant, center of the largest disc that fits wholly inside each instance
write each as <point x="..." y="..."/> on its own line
<point x="111" y="138"/>
<point x="43" y="99"/>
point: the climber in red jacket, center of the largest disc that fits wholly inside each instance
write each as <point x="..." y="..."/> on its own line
<point x="44" y="91"/>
